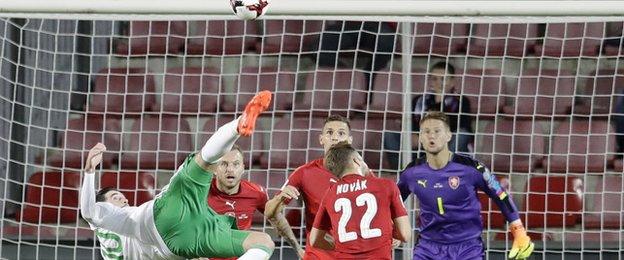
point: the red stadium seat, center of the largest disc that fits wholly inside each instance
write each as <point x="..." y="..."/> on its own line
<point x="122" y="91"/>
<point x="293" y="142"/>
<point x="618" y="166"/>
<point x="82" y="134"/>
<point x="289" y="36"/>
<point x="253" y="79"/>
<point x="368" y="136"/>
<point x="157" y="142"/>
<point x="571" y="39"/>
<point x="153" y="37"/>
<point x="51" y="197"/>
<point x="511" y="146"/>
<point x="581" y="146"/>
<point x="483" y="87"/>
<point x="553" y="201"/>
<point x="231" y="37"/>
<point x="543" y="93"/>
<point x="251" y="146"/>
<point x="329" y="90"/>
<point x="138" y="187"/>
<point x="502" y="39"/>
<point x="191" y="90"/>
<point x="387" y="92"/>
<point x="604" y="236"/>
<point x="440" y="38"/>
<point x="597" y="97"/>
<point x="607" y="204"/>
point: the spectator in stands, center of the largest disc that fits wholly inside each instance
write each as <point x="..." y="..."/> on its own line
<point x="371" y="40"/>
<point x="442" y="94"/>
<point x="618" y="120"/>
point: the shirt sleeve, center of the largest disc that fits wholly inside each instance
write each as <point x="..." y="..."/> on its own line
<point x="397" y="209"/>
<point x="103" y="214"/>
<point x="322" y="220"/>
<point x="403" y="185"/>
<point x="487" y="183"/>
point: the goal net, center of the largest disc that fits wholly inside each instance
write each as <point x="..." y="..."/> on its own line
<point x="538" y="99"/>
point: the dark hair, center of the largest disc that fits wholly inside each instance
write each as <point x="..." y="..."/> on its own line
<point x="338" y="157"/>
<point x="437" y="115"/>
<point x="100" y="196"/>
<point x="338" y="118"/>
<point x="449" y="68"/>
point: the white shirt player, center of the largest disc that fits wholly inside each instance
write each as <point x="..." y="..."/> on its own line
<point x="124" y="233"/>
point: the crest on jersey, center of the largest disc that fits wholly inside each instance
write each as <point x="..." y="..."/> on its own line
<point x="453" y="182"/>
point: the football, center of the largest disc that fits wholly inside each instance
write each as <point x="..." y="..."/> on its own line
<point x="249" y="9"/>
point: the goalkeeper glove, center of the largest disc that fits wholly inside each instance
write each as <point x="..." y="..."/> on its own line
<point x="522" y="246"/>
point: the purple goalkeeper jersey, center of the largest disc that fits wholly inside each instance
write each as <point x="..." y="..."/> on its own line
<point x="449" y="205"/>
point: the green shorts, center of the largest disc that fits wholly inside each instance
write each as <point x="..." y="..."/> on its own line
<point x="187" y="225"/>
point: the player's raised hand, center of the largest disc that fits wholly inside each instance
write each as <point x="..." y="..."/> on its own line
<point x="289" y="192"/>
<point x="396" y="243"/>
<point x="95" y="157"/>
<point x="522" y="246"/>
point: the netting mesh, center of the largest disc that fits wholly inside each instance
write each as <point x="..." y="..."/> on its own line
<point x="541" y="104"/>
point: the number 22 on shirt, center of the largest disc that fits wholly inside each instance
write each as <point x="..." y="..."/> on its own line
<point x="344" y="205"/>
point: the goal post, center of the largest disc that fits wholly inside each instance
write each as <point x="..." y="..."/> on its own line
<point x="153" y="79"/>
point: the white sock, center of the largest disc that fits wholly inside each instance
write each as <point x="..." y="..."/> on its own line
<point x="220" y="142"/>
<point x="255" y="254"/>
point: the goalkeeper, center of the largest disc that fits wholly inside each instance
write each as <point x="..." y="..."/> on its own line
<point x="445" y="185"/>
<point x="178" y="223"/>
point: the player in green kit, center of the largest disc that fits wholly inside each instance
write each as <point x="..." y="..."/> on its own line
<point x="178" y="223"/>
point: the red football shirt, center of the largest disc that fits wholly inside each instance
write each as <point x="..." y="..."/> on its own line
<point x="241" y="205"/>
<point x="312" y="180"/>
<point x="358" y="212"/>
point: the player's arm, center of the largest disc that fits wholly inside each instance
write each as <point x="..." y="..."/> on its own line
<point x="273" y="212"/>
<point x="403" y="183"/>
<point x="318" y="234"/>
<point x="102" y="214"/>
<point x="522" y="246"/>
<point x="402" y="226"/>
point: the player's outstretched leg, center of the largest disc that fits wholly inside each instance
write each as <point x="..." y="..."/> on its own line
<point x="258" y="104"/>
<point x="257" y="246"/>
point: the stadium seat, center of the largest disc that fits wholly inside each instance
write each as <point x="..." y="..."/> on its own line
<point x="293" y="142"/>
<point x="618" y="166"/>
<point x="368" y="136"/>
<point x="191" y="90"/>
<point x="482" y="87"/>
<point x="253" y="146"/>
<point x="581" y="146"/>
<point x="552" y="201"/>
<point x="502" y="39"/>
<point x="231" y="37"/>
<point x="597" y="97"/>
<point x="51" y="197"/>
<point x="608" y="205"/>
<point x="571" y="39"/>
<point x="253" y="79"/>
<point x="511" y="146"/>
<point x="440" y="38"/>
<point x="289" y="36"/>
<point x="157" y="142"/>
<point x="153" y="37"/>
<point x="604" y="236"/>
<point x="333" y="90"/>
<point x="138" y="187"/>
<point x="387" y="92"/>
<point x="82" y="134"/>
<point x="122" y="91"/>
<point x="545" y="93"/>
